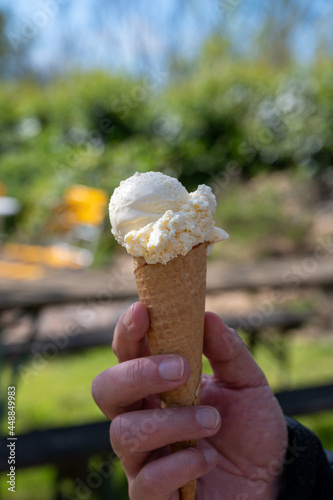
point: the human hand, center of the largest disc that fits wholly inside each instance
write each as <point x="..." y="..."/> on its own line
<point x="238" y="459"/>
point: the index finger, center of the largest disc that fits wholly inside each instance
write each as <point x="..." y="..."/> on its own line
<point x="231" y="361"/>
<point x="130" y="335"/>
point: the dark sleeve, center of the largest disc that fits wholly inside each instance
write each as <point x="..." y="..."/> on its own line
<point x="307" y="471"/>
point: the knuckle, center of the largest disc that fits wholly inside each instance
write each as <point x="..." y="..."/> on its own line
<point x="192" y="463"/>
<point x="233" y="343"/>
<point x="136" y="372"/>
<point x="149" y="483"/>
<point x="188" y="459"/>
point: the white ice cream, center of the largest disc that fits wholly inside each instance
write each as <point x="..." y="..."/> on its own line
<point x="153" y="216"/>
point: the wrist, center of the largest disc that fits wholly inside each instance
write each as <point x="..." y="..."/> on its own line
<point x="307" y="474"/>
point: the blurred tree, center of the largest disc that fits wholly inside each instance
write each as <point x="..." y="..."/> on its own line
<point x="4" y="46"/>
<point x="224" y="113"/>
<point x="281" y="21"/>
<point x="133" y="35"/>
<point x="14" y="62"/>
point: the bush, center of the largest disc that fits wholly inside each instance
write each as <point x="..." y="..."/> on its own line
<point x="96" y="129"/>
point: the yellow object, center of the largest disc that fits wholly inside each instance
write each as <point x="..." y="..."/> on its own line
<point x="86" y="205"/>
<point x="2" y="189"/>
<point x="53" y="256"/>
<point x="20" y="271"/>
<point x="82" y="208"/>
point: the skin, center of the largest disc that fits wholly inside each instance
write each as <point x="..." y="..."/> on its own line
<point x="240" y="449"/>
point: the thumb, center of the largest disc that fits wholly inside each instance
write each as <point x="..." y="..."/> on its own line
<point x="231" y="361"/>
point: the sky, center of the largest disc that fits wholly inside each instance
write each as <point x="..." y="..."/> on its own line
<point x="101" y="33"/>
<point x="129" y="35"/>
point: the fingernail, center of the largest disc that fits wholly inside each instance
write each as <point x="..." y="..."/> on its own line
<point x="128" y="316"/>
<point x="210" y="455"/>
<point x="172" y="368"/>
<point x="208" y="417"/>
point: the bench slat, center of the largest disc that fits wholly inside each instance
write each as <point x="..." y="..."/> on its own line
<point x="68" y="444"/>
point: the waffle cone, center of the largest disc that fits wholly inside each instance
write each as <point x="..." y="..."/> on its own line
<point x="174" y="294"/>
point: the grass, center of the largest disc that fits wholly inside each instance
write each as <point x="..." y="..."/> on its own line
<point x="309" y="362"/>
<point x="59" y="394"/>
<point x="37" y="483"/>
<point x="266" y="216"/>
<point x="51" y="394"/>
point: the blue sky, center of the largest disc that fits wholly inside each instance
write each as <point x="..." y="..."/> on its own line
<point x="128" y="34"/>
<point x="112" y="40"/>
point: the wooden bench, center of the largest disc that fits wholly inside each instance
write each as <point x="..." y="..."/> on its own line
<point x="282" y="321"/>
<point x="67" y="445"/>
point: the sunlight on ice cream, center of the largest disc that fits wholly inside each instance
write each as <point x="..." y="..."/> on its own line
<point x="153" y="216"/>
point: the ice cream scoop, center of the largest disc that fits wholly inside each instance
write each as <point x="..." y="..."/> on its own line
<point x="153" y="216"/>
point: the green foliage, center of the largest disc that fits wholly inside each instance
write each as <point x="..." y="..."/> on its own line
<point x="97" y="129"/>
<point x="270" y="215"/>
<point x="32" y="484"/>
<point x="38" y="376"/>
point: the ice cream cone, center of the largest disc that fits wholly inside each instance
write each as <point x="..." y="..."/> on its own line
<point x="174" y="294"/>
